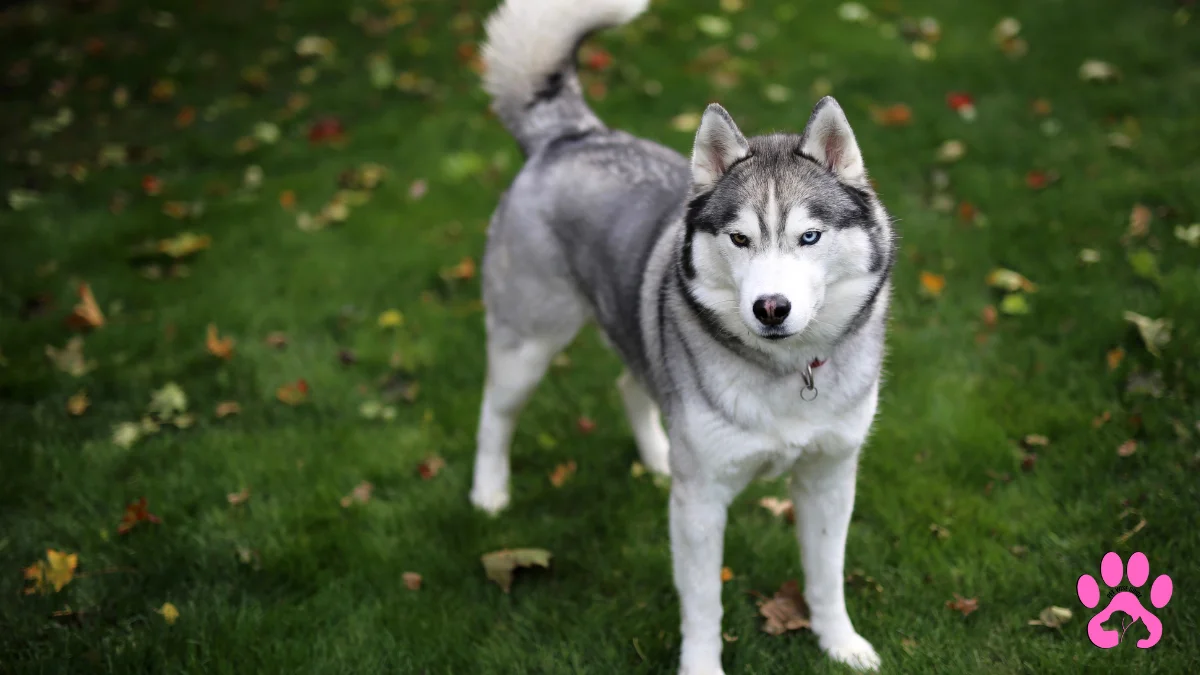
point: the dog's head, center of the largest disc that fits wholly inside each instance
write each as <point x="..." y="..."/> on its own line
<point x="786" y="241"/>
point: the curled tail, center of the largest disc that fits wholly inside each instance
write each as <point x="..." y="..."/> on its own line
<point x="529" y="58"/>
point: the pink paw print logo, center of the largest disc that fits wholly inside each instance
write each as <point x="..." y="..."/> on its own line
<point x="1126" y="599"/>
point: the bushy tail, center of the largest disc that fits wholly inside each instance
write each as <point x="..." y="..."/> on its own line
<point x="529" y="58"/>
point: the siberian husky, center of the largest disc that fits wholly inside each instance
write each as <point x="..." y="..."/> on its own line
<point x="746" y="292"/>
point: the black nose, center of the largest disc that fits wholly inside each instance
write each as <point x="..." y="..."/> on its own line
<point x="771" y="310"/>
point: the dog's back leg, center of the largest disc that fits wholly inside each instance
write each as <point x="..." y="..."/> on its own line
<point x="646" y="421"/>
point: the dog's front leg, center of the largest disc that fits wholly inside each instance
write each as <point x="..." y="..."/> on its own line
<point x="823" y="493"/>
<point x="698" y="513"/>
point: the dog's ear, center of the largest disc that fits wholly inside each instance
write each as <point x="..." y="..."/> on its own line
<point x="718" y="145"/>
<point x="829" y="140"/>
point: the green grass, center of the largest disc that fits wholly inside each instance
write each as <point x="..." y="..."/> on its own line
<point x="322" y="592"/>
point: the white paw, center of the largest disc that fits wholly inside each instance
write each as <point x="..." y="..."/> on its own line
<point x="853" y="651"/>
<point x="491" y="502"/>
<point x="701" y="671"/>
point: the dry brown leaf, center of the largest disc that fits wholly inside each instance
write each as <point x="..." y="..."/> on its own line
<point x="277" y="340"/>
<point x="1127" y="448"/>
<point x="238" y="498"/>
<point x="227" y="408"/>
<point x="361" y="494"/>
<point x="1101" y="419"/>
<point x="412" y="581"/>
<point x="1114" y="357"/>
<point x="87" y="313"/>
<point x="220" y="347"/>
<point x="786" y="611"/>
<point x="896" y="115"/>
<point x="562" y="473"/>
<point x="431" y="466"/>
<point x="293" y="393"/>
<point x="961" y="604"/>
<point x="1139" y="220"/>
<point x="78" y="404"/>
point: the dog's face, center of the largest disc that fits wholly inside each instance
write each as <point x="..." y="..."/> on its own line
<point x="785" y="237"/>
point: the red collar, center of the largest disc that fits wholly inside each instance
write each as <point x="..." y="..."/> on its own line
<point x="816" y="363"/>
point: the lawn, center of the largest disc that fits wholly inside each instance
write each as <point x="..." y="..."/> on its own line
<point x="315" y="178"/>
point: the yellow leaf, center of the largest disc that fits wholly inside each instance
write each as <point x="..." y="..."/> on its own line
<point x="169" y="613"/>
<point x="1010" y="281"/>
<point x="1114" y="357"/>
<point x="726" y="574"/>
<point x="391" y="319"/>
<point x="56" y="571"/>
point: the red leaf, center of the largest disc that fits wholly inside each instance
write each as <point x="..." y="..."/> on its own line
<point x="957" y="100"/>
<point x="586" y="425"/>
<point x="136" y="512"/>
<point x="326" y="130"/>
<point x="152" y="185"/>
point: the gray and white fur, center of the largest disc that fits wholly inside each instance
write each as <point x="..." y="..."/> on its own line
<point x="746" y="292"/>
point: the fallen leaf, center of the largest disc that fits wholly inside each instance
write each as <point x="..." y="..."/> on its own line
<point x="167" y="402"/>
<point x="932" y="283"/>
<point x="238" y="498"/>
<point x="989" y="315"/>
<point x="463" y="271"/>
<point x="287" y="199"/>
<point x="1089" y="256"/>
<point x="126" y="434"/>
<point x="726" y="574"/>
<point x="1035" y="440"/>
<point x="500" y="565"/>
<point x="1010" y="281"/>
<point x="1052" y="617"/>
<point x="561" y="473"/>
<point x="20" y="199"/>
<point x="412" y="581"/>
<point x="315" y="46"/>
<point x="361" y="494"/>
<point x="1189" y="235"/>
<point x="78" y="404"/>
<point x="951" y="151"/>
<point x="227" y="408"/>
<point x="1014" y="303"/>
<point x="55" y="572"/>
<point x="417" y="189"/>
<point x="1094" y="70"/>
<point x="687" y="122"/>
<point x="961" y="604"/>
<point x="136" y="512"/>
<point x="277" y="339"/>
<point x="1145" y="265"/>
<point x="637" y="470"/>
<point x="293" y="393"/>
<point x="909" y="645"/>
<point x="939" y="531"/>
<point x="1018" y="550"/>
<point x="786" y="611"/>
<point x="266" y="133"/>
<point x="220" y="347"/>
<point x="779" y="507"/>
<point x="391" y="319"/>
<point x="895" y="115"/>
<point x="326" y="130"/>
<point x="962" y="103"/>
<point x="87" y="313"/>
<point x="151" y="185"/>
<point x="1101" y="419"/>
<point x="1139" y="220"/>
<point x="432" y="465"/>
<point x="185" y="117"/>
<point x="1029" y="461"/>
<point x="169" y="613"/>
<point x="184" y="244"/>
<point x="1156" y="333"/>
<point x="1037" y="179"/>
<point x="1127" y="448"/>
<point x="853" y="12"/>
<point x="713" y="26"/>
<point x="70" y="358"/>
<point x="585" y="424"/>
<point x="1114" y="357"/>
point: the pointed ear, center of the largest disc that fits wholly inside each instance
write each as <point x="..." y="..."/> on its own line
<point x="829" y="140"/>
<point x="718" y="145"/>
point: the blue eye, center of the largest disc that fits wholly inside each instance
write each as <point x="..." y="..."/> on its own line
<point x="809" y="238"/>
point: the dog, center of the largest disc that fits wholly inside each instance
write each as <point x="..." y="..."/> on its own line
<point x="745" y="290"/>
